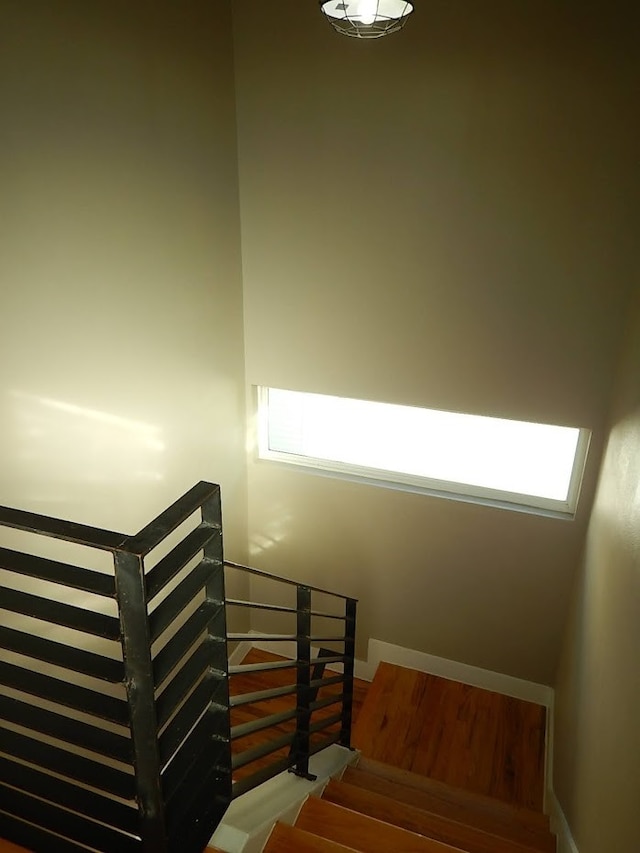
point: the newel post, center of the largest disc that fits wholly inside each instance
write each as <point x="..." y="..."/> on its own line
<point x="302" y="740"/>
<point x="139" y="685"/>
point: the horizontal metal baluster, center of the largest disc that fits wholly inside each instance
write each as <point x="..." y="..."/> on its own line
<point x="75" y="577"/>
<point x="261" y="695"/>
<point x="256" y="752"/>
<point x="263" y="723"/>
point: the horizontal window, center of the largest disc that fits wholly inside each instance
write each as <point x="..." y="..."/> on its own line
<point x="470" y="457"/>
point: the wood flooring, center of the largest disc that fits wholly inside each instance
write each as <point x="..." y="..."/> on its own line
<point x="469" y="738"/>
<point x="8" y="847"/>
<point x="487" y="749"/>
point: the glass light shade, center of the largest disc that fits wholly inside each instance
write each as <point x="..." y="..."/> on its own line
<point x="366" y="19"/>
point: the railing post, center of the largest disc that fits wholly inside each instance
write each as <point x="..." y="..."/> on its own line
<point x="302" y="739"/>
<point x="349" y="652"/>
<point x="138" y="671"/>
<point x="215" y="591"/>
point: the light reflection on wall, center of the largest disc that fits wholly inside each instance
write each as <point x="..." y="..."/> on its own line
<point x="57" y="444"/>
<point x="96" y="446"/>
<point x="272" y="535"/>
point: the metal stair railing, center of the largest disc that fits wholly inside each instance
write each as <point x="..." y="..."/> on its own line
<point x="304" y="739"/>
<point x="115" y="714"/>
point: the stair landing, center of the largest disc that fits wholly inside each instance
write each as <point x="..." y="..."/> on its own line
<point x="464" y="736"/>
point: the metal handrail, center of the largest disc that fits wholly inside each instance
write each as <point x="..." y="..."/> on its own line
<point x="173" y="715"/>
<point x="156" y="531"/>
<point x="58" y="528"/>
<point x="307" y="682"/>
<point x="252" y="571"/>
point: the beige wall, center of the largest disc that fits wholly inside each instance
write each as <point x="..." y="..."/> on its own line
<point x="121" y="369"/>
<point x="597" y="768"/>
<point x="436" y="219"/>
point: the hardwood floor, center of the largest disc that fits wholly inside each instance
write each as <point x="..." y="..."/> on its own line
<point x="8" y="847"/>
<point x="467" y="737"/>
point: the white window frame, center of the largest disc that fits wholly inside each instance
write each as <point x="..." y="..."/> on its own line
<point x="423" y="485"/>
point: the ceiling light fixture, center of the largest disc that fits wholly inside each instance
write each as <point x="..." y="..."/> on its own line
<point x="366" y="19"/>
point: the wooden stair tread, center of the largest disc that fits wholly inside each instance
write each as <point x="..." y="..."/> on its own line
<point x="292" y="839"/>
<point x="9" y="847"/>
<point x="457" y="805"/>
<point x="457" y="834"/>
<point x="470" y="799"/>
<point x="361" y="832"/>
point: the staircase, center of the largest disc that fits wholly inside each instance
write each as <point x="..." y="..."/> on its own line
<point x="147" y="744"/>
<point x="378" y="807"/>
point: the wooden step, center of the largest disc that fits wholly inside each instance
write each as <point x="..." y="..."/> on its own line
<point x="389" y="810"/>
<point x="361" y="832"/>
<point x="291" y="839"/>
<point x="8" y="847"/>
<point x="496" y="818"/>
<point x="469" y="799"/>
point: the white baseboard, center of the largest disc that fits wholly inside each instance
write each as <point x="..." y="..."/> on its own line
<point x="508" y="685"/>
<point x="560" y="825"/>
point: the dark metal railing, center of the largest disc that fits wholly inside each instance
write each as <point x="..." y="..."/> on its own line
<point x="115" y="713"/>
<point x="309" y="681"/>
